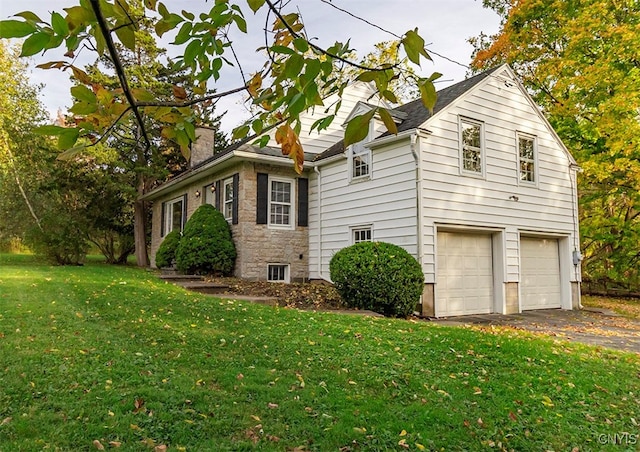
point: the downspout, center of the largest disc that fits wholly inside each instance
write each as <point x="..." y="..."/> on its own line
<point x="419" y="238"/>
<point x="319" y="228"/>
<point x="576" y="255"/>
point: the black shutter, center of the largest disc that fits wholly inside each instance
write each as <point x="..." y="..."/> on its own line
<point x="234" y="205"/>
<point x="184" y="212"/>
<point x="218" y="195"/>
<point x="303" y="202"/>
<point x="262" y="198"/>
<point x="162" y="220"/>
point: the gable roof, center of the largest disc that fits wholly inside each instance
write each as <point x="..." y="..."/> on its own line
<point x="416" y="113"/>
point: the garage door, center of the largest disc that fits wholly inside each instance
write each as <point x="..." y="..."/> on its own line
<point x="539" y="273"/>
<point x="465" y="276"/>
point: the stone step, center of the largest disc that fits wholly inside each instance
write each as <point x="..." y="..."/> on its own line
<point x="181" y="278"/>
<point x="202" y="287"/>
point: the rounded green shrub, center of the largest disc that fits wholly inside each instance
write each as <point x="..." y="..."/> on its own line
<point x="166" y="254"/>
<point x="378" y="276"/>
<point x="206" y="246"/>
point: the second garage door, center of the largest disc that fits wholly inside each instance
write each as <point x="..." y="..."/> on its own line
<point x="540" y="273"/>
<point x="465" y="276"/>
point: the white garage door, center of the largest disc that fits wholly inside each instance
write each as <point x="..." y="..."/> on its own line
<point x="539" y="273"/>
<point x="465" y="276"/>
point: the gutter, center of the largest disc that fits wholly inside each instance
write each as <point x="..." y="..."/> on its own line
<point x="419" y="225"/>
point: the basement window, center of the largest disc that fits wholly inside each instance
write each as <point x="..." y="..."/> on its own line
<point x="278" y="273"/>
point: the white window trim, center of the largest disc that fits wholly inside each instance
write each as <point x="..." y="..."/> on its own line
<point x="292" y="210"/>
<point x="483" y="154"/>
<point x="168" y="214"/>
<point x="366" y="151"/>
<point x="360" y="227"/>
<point x="536" y="168"/>
<point x="225" y="184"/>
<point x="287" y="273"/>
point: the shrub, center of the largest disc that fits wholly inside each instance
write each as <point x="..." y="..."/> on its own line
<point x="166" y="255"/>
<point x="378" y="276"/>
<point x="206" y="246"/>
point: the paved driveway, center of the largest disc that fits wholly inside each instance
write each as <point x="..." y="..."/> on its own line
<point x="589" y="326"/>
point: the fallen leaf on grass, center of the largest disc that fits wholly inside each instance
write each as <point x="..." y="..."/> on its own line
<point x="6" y="420"/>
<point x="160" y="448"/>
<point x="98" y="445"/>
<point x="272" y="405"/>
<point x="403" y="443"/>
<point x="403" y="433"/>
<point x="512" y="416"/>
<point x="546" y="401"/>
<point x="115" y="444"/>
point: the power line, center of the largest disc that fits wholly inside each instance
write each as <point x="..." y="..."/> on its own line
<point x="362" y="19"/>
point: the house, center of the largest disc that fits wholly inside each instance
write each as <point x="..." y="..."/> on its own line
<point x="481" y="191"/>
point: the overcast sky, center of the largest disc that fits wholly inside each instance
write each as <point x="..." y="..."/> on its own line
<point x="445" y="25"/>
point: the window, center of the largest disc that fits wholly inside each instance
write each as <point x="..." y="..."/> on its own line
<point x="174" y="215"/>
<point x="280" y="207"/>
<point x="210" y="194"/>
<point x="360" y="159"/>
<point x="361" y="234"/>
<point x="527" y="158"/>
<point x="278" y="273"/>
<point x="228" y="198"/>
<point x="472" y="146"/>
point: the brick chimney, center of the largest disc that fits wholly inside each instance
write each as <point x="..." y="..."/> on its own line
<point x="202" y="148"/>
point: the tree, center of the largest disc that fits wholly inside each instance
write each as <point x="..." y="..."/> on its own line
<point x="581" y="63"/>
<point x="144" y="70"/>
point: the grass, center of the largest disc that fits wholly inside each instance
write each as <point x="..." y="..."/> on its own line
<point x="627" y="307"/>
<point x="111" y="355"/>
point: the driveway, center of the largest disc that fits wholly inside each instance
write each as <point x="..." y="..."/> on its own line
<point x="589" y="326"/>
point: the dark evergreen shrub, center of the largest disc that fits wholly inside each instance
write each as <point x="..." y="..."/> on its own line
<point x="166" y="254"/>
<point x="206" y="246"/>
<point x="378" y="276"/>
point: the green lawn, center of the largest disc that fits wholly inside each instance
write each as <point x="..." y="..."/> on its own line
<point x="113" y="355"/>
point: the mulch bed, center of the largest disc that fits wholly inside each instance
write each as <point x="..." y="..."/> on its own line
<point x="315" y="295"/>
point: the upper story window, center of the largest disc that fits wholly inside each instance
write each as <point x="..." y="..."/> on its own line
<point x="229" y="195"/>
<point x="174" y="212"/>
<point x="280" y="205"/>
<point x="361" y="234"/>
<point x="472" y="147"/>
<point x="527" y="158"/>
<point x="360" y="158"/>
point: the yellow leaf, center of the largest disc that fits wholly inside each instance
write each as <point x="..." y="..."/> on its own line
<point x="254" y="84"/>
<point x="360" y="430"/>
<point x="420" y="446"/>
<point x="546" y="401"/>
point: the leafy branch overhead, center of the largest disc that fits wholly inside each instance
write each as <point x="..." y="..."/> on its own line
<point x="297" y="74"/>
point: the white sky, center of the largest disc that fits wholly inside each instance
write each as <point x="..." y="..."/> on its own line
<point x="445" y="25"/>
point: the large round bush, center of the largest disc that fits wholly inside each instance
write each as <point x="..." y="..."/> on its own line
<point x="378" y="276"/>
<point x="166" y="254"/>
<point x="206" y="246"/>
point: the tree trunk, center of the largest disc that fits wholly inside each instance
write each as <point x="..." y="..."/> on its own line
<point x="140" y="227"/>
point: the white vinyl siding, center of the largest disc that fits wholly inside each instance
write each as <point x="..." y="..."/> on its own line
<point x="387" y="201"/>
<point x="450" y="197"/>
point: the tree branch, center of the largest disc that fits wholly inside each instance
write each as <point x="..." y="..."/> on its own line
<point x="188" y="103"/>
<point x="106" y="33"/>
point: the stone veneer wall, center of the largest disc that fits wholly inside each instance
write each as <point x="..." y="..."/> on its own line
<point x="257" y="245"/>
